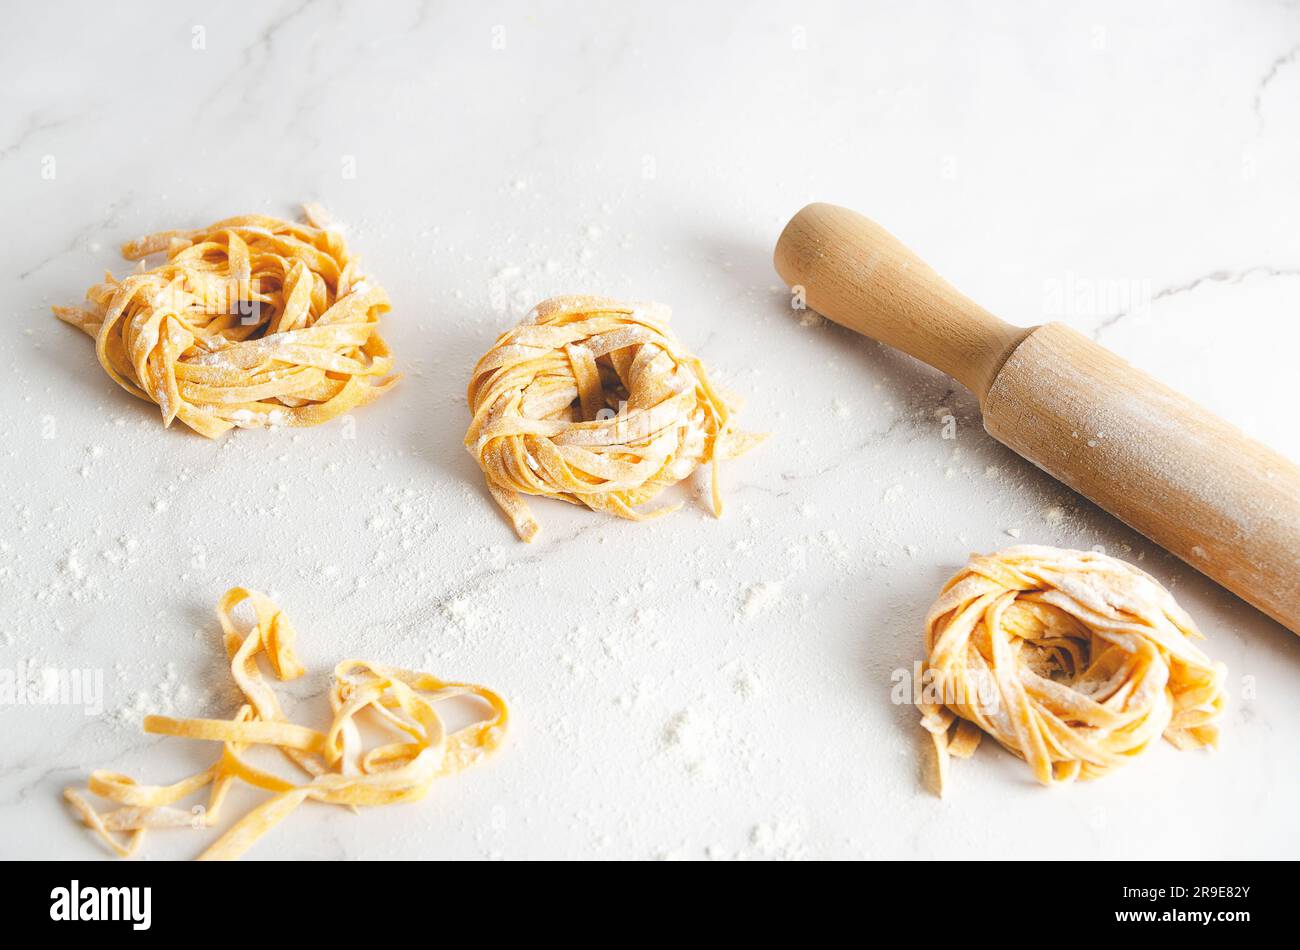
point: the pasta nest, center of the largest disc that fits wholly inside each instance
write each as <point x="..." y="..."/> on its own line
<point x="250" y="322"/>
<point x="1072" y="660"/>
<point x="596" y="403"/>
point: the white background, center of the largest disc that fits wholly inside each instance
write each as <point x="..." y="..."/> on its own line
<point x="687" y="688"/>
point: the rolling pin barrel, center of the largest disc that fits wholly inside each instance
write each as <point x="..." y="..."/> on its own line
<point x="1194" y="484"/>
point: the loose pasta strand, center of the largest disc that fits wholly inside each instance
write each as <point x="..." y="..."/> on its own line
<point x="339" y="771"/>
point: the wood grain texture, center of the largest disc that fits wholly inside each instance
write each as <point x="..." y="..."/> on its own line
<point x="859" y="275"/>
<point x="1227" y="505"/>
<point x="1224" y="503"/>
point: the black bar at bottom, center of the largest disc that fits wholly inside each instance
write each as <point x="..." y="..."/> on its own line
<point x="339" y="898"/>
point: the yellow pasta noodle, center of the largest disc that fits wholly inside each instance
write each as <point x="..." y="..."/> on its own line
<point x="596" y="403"/>
<point x="340" y="770"/>
<point x="1073" y="660"/>
<point x="250" y="322"/>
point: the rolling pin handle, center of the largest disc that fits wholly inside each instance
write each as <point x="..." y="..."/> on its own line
<point x="859" y="275"/>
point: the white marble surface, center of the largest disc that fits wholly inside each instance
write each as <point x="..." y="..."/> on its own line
<point x="1140" y="157"/>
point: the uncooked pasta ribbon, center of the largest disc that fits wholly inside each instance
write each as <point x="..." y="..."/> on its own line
<point x="595" y="402"/>
<point x="250" y="322"/>
<point x="340" y="769"/>
<point x="1072" y="660"/>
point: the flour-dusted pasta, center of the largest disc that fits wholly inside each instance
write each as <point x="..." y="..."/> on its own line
<point x="250" y="322"/>
<point x="596" y="403"/>
<point x="1073" y="660"/>
<point x="341" y="771"/>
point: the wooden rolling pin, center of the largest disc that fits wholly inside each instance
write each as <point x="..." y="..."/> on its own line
<point x="1189" y="481"/>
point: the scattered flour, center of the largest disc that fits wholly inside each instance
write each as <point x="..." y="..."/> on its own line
<point x="688" y="736"/>
<point x="760" y="598"/>
<point x="784" y="839"/>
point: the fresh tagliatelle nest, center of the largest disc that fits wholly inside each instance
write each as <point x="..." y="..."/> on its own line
<point x="250" y="322"/>
<point x="1072" y="660"/>
<point x="595" y="402"/>
<point x="340" y="770"/>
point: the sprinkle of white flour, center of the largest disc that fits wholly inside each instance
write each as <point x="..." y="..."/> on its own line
<point x="760" y="598"/>
<point x="687" y="736"/>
